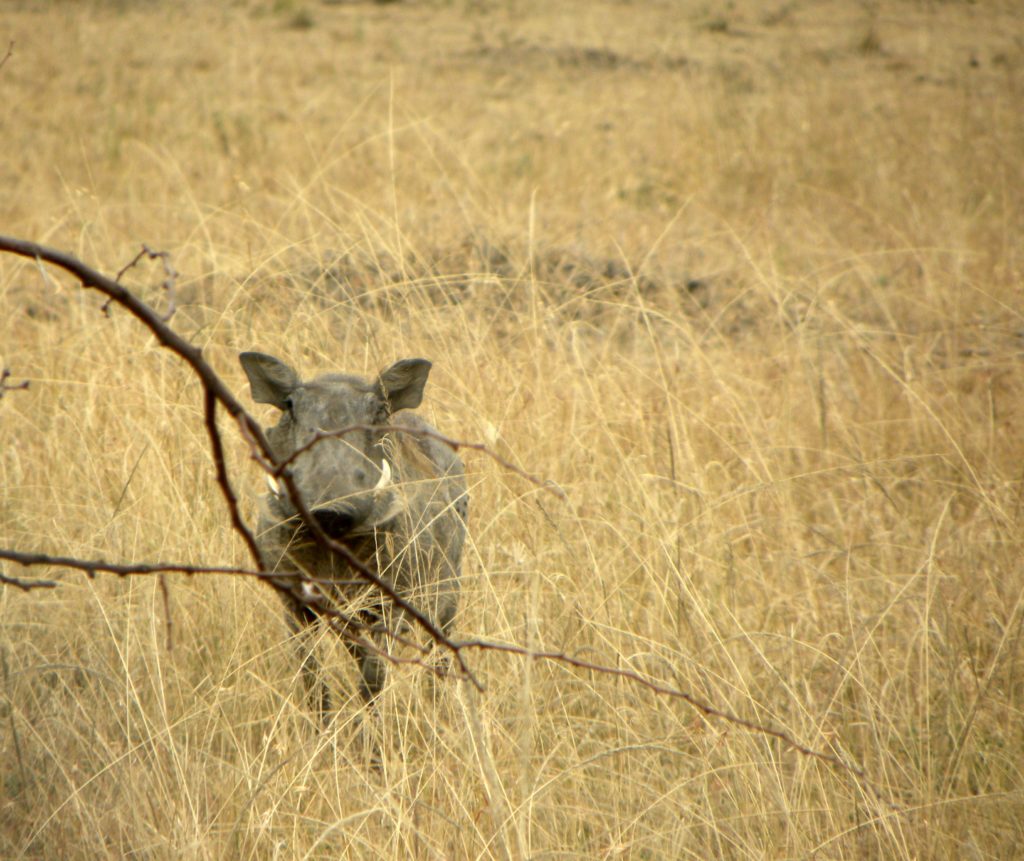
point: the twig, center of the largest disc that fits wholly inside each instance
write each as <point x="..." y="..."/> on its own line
<point x="10" y="387"/>
<point x="8" y="55"/>
<point x="170" y="279"/>
<point x="294" y="585"/>
<point x="706" y="708"/>
<point x="217" y="449"/>
<point x="92" y="567"/>
<point x="453" y="444"/>
<point x="28" y="585"/>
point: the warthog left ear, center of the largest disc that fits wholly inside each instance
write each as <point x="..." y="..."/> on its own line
<point x="401" y="385"/>
<point x="271" y="379"/>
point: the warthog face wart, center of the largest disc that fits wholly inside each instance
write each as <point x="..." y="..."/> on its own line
<point x="396" y="499"/>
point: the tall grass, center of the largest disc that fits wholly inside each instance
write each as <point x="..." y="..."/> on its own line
<point x="745" y="285"/>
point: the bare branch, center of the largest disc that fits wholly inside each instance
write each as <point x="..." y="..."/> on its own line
<point x="28" y="585"/>
<point x="215" y="389"/>
<point x="453" y="444"/>
<point x="170" y="277"/>
<point x="300" y="589"/>
<point x="294" y="585"/>
<point x="632" y="675"/>
<point x="130" y="264"/>
<point x="93" y="567"/>
<point x="217" y="449"/>
<point x="705" y="708"/>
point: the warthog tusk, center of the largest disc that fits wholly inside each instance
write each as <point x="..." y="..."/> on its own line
<point x="385" y="476"/>
<point x="272" y="483"/>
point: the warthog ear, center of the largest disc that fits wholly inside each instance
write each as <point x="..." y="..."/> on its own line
<point x="271" y="379"/>
<point x="401" y="385"/>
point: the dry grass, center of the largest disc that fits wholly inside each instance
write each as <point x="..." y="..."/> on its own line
<point x="745" y="283"/>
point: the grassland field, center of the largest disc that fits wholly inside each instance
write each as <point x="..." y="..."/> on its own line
<point x="743" y="279"/>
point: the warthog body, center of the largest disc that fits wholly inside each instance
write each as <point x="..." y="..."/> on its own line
<point x="396" y="500"/>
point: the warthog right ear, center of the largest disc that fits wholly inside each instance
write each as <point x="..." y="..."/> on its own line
<point x="272" y="381"/>
<point x="401" y="385"/>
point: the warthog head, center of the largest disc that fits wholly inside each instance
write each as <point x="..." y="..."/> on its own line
<point x="345" y="481"/>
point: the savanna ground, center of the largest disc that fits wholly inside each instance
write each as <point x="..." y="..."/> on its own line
<point x="743" y="279"/>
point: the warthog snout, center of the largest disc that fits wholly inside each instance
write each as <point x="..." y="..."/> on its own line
<point x="341" y="511"/>
<point x="397" y="499"/>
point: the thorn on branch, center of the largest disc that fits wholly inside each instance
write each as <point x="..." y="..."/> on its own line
<point x="10" y="387"/>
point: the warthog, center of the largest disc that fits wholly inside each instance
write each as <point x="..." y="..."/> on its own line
<point x="396" y="500"/>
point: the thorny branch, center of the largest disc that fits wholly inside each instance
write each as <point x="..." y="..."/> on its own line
<point x="298" y="587"/>
<point x="215" y="388"/>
